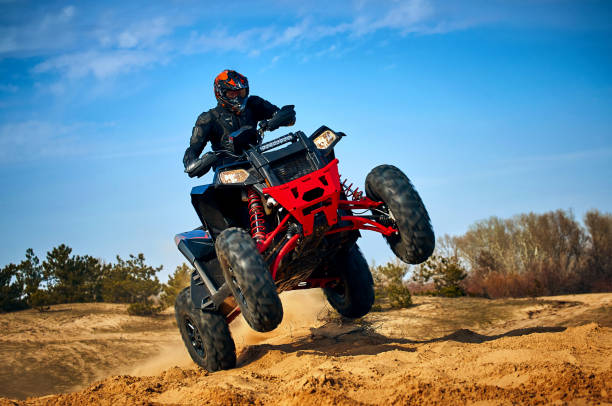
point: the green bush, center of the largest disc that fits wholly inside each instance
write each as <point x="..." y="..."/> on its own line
<point x="179" y="280"/>
<point x="130" y="281"/>
<point x="143" y="309"/>
<point x="41" y="300"/>
<point x="447" y="274"/>
<point x="450" y="291"/>
<point x="389" y="287"/>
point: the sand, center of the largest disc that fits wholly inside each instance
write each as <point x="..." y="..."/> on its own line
<point x="554" y="350"/>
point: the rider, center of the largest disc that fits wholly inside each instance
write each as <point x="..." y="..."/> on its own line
<point x="235" y="109"/>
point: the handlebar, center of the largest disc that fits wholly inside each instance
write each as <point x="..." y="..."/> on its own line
<point x="285" y="116"/>
<point x="201" y="166"/>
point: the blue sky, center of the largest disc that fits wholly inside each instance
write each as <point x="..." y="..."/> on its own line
<point x="490" y="107"/>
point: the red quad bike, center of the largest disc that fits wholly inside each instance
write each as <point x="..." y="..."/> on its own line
<point x="277" y="219"/>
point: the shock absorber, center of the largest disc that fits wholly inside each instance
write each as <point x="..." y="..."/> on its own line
<point x="256" y="216"/>
<point x="352" y="194"/>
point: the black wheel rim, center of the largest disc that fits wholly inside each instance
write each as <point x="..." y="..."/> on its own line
<point x="339" y="290"/>
<point x="194" y="337"/>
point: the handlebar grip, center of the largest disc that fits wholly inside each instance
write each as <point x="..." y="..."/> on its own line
<point x="201" y="166"/>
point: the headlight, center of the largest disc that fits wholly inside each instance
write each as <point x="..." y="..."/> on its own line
<point x="234" y="176"/>
<point x="324" y="140"/>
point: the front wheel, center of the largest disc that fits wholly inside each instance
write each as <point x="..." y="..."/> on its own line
<point x="353" y="296"/>
<point x="205" y="334"/>
<point x="415" y="241"/>
<point x="249" y="279"/>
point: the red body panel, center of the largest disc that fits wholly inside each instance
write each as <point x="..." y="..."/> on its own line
<point x="291" y="196"/>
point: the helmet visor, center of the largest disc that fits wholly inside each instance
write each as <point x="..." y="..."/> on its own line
<point x="232" y="94"/>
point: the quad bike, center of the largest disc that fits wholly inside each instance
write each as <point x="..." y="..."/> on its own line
<point x="277" y="219"/>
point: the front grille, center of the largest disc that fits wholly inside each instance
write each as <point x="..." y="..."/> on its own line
<point x="292" y="167"/>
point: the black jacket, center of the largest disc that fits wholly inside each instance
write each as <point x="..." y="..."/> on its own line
<point x="216" y="124"/>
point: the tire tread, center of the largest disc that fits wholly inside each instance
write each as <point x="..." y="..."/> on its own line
<point x="219" y="347"/>
<point x="357" y="280"/>
<point x="236" y="248"/>
<point x="416" y="241"/>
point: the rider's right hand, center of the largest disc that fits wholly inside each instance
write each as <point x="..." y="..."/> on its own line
<point x="191" y="168"/>
<point x="263" y="125"/>
<point x="201" y="166"/>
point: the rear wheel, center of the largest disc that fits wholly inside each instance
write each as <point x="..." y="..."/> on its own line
<point x="353" y="296"/>
<point x="415" y="241"/>
<point x="249" y="279"/>
<point x="205" y="334"/>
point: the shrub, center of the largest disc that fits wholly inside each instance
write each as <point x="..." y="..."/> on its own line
<point x="41" y="300"/>
<point x="179" y="280"/>
<point x="389" y="286"/>
<point x="447" y="274"/>
<point x="130" y="281"/>
<point x="143" y="309"/>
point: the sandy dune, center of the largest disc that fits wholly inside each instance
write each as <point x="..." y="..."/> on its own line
<point x="449" y="351"/>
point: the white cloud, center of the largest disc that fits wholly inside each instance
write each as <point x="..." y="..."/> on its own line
<point x="57" y="18"/>
<point x="68" y="12"/>
<point x="127" y="40"/>
<point x="109" y="47"/>
<point x="36" y="31"/>
<point x="30" y="140"/>
<point x="103" y="42"/>
<point x="222" y="40"/>
<point x="8" y="43"/>
<point x="8" y="88"/>
<point x="101" y="64"/>
<point x="145" y="33"/>
<point x="292" y="33"/>
<point x="405" y="16"/>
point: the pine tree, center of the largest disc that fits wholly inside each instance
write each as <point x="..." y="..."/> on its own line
<point x="389" y="285"/>
<point x="132" y="281"/>
<point x="446" y="273"/>
<point x="72" y="278"/>
<point x="31" y="275"/>
<point x="11" y="288"/>
<point x="31" y="272"/>
<point x="179" y="280"/>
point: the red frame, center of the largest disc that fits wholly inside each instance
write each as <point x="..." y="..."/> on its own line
<point x="360" y="223"/>
<point x="286" y="248"/>
<point x="262" y="246"/>
<point x="291" y="197"/>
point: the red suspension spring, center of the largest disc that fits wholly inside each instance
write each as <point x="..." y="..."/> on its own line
<point x="256" y="216"/>
<point x="352" y="194"/>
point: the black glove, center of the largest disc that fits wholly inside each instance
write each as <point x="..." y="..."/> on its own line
<point x="201" y="166"/>
<point x="283" y="117"/>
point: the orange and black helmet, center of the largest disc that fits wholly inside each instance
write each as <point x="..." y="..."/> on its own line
<point x="232" y="90"/>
